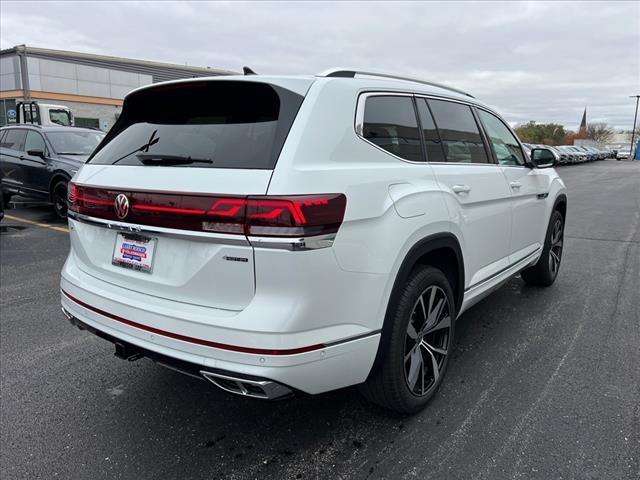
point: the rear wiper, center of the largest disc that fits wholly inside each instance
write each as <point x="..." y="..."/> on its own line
<point x="169" y="160"/>
<point x="72" y="153"/>
<point x="144" y="148"/>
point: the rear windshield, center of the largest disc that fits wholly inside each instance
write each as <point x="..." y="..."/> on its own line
<point x="74" y="142"/>
<point x="216" y="124"/>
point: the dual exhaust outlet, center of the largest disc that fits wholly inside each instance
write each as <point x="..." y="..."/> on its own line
<point x="263" y="389"/>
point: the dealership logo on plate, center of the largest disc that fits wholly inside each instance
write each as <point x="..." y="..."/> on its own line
<point x="121" y="205"/>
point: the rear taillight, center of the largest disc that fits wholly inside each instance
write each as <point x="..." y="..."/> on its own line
<point x="268" y="216"/>
<point x="300" y="215"/>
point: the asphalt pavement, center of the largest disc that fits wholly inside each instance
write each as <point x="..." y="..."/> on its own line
<point x="543" y="383"/>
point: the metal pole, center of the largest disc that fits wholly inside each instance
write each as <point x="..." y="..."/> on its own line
<point x="24" y="74"/>
<point x="633" y="132"/>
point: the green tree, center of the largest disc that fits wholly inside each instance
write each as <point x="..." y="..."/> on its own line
<point x="541" y="133"/>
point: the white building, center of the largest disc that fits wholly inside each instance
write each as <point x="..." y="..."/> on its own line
<point x="93" y="86"/>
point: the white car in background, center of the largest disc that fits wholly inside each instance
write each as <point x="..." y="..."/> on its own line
<point x="274" y="234"/>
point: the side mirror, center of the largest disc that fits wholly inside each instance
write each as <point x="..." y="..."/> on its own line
<point x="542" y="158"/>
<point x="36" y="153"/>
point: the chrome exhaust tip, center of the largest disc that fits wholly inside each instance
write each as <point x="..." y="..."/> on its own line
<point x="263" y="389"/>
<point x="67" y="314"/>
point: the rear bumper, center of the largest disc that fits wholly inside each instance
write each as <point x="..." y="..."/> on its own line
<point x="245" y="385"/>
<point x="311" y="361"/>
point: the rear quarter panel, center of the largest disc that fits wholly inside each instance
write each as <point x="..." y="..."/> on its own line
<point x="323" y="154"/>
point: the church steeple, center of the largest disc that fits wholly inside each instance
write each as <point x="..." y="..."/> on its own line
<point x="583" y="123"/>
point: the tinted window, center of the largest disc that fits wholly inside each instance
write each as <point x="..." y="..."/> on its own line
<point x="435" y="153"/>
<point x="14" y="140"/>
<point x="34" y="142"/>
<point x="391" y="124"/>
<point x="505" y="145"/>
<point x="459" y="132"/>
<point x="219" y="124"/>
<point x="75" y="142"/>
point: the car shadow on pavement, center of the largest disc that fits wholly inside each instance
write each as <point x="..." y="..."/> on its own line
<point x="229" y="435"/>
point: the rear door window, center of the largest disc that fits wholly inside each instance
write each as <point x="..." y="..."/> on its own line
<point x="459" y="132"/>
<point x="390" y="123"/>
<point x="217" y="124"/>
<point x="14" y="139"/>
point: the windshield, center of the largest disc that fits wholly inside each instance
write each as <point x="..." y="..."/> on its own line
<point x="60" y="117"/>
<point x="214" y="124"/>
<point x="75" y="142"/>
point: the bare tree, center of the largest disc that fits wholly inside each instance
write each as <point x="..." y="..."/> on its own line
<point x="599" y="132"/>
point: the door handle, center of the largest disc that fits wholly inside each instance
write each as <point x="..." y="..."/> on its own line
<point x="461" y="189"/>
<point x="515" y="185"/>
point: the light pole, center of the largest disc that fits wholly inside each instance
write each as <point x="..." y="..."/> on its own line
<point x="633" y="132"/>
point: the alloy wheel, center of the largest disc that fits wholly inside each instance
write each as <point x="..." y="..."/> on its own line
<point x="555" y="252"/>
<point x="60" y="200"/>
<point x="427" y="341"/>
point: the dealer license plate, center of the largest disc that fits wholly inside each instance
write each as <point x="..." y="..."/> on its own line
<point x="134" y="252"/>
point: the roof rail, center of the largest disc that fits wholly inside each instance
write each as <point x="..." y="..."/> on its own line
<point x="351" y="73"/>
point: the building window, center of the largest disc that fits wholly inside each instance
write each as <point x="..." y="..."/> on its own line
<point x="87" y="122"/>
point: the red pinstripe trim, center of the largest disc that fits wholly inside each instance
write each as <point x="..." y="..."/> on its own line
<point x="197" y="341"/>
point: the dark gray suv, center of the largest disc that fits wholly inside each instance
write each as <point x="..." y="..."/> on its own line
<point x="38" y="162"/>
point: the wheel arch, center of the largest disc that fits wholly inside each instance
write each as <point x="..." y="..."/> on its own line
<point x="560" y="204"/>
<point x="55" y="178"/>
<point x="441" y="251"/>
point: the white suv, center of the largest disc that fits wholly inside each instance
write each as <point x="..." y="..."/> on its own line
<point x="305" y="233"/>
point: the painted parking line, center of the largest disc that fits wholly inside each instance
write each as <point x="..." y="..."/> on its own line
<point x="37" y="224"/>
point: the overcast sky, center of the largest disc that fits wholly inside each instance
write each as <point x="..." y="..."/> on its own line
<point x="542" y="61"/>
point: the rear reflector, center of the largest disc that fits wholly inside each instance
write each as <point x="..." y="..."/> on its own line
<point x="283" y="216"/>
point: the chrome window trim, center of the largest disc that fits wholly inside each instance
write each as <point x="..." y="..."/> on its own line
<point x="293" y="244"/>
<point x="359" y="122"/>
<point x="464" y="163"/>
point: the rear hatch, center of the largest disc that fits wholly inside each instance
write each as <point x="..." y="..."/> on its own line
<point x="155" y="210"/>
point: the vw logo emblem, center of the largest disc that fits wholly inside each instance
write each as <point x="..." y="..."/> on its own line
<point x="121" y="205"/>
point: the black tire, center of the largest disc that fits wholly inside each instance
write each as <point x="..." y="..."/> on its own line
<point x="544" y="273"/>
<point x="6" y="198"/>
<point x="390" y="383"/>
<point x="59" y="198"/>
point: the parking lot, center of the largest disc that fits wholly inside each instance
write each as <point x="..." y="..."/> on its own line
<point x="544" y="383"/>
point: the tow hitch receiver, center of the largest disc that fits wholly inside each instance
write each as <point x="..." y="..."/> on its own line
<point x="127" y="352"/>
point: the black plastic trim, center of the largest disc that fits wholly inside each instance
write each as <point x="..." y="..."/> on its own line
<point x="421" y="248"/>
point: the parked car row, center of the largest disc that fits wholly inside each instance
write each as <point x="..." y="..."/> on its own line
<point x="569" y="154"/>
